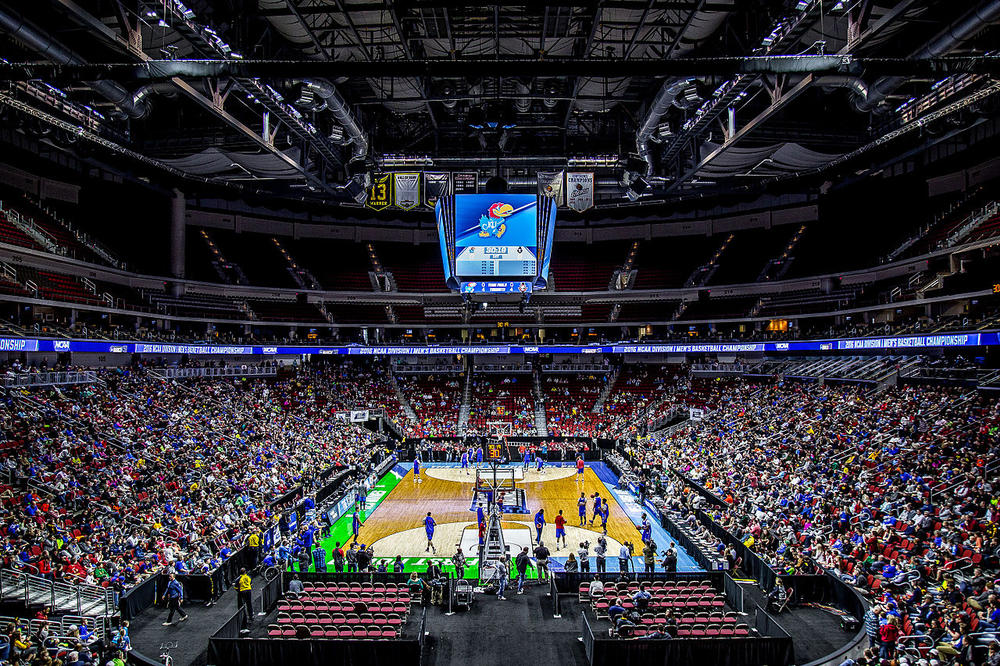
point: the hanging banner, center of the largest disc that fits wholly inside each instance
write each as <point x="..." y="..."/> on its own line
<point x="407" y="190"/>
<point x="359" y="415"/>
<point x="380" y="192"/>
<point x="465" y="183"/>
<point x="436" y="185"/>
<point x="550" y="186"/>
<point x="580" y="190"/>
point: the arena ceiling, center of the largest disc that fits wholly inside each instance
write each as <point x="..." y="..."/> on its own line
<point x="662" y="98"/>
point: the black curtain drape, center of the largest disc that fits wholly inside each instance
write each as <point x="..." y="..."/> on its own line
<point x="138" y="599"/>
<point x="752" y="563"/>
<point x="311" y="652"/>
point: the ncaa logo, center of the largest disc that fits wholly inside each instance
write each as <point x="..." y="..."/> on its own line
<point x="61" y="345"/>
<point x="269" y="350"/>
<point x="781" y="346"/>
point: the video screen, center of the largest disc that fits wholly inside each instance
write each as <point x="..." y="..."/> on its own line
<point x="496" y="235"/>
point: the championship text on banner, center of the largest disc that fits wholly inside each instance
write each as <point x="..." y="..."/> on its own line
<point x="579" y="190"/>
<point x="550" y="186"/>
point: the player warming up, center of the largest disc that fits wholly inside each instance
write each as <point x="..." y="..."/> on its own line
<point x="560" y="530"/>
<point x="429" y="525"/>
<point x="597" y="507"/>
<point x="579" y="469"/>
<point x="581" y="505"/>
<point x="465" y="462"/>
<point x="539" y="524"/>
<point x="416" y="470"/>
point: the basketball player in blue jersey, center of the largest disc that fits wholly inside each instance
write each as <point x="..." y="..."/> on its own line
<point x="540" y="463"/>
<point x="465" y="462"/>
<point x="479" y="455"/>
<point x="480" y="514"/>
<point x="356" y="525"/>
<point x="526" y="459"/>
<point x="416" y="470"/>
<point x="581" y="505"/>
<point x="597" y="507"/>
<point x="539" y="524"/>
<point x="647" y="532"/>
<point x="429" y="528"/>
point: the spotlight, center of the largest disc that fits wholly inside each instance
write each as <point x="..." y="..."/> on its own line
<point x="354" y="190"/>
<point x="637" y="188"/>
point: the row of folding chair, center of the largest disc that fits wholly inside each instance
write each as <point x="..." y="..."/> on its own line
<point x="393" y="619"/>
<point x="405" y="597"/>
<point x="694" y="631"/>
<point x="352" y="587"/>
<point x="664" y="594"/>
<point x="601" y="607"/>
<point x="377" y="594"/>
<point x="370" y="632"/>
<point x="323" y="602"/>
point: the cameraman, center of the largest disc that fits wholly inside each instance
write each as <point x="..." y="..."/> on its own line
<point x="600" y="552"/>
<point x="584" y="554"/>
<point x="649" y="556"/>
<point x="624" y="557"/>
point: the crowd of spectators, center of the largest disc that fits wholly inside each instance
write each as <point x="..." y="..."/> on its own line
<point x="41" y="642"/>
<point x="892" y="491"/>
<point x="435" y="400"/>
<point x="134" y="475"/>
<point x="502" y="399"/>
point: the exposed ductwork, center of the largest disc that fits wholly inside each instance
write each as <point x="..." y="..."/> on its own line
<point x="326" y="91"/>
<point x="853" y="83"/>
<point x="134" y="106"/>
<point x="945" y="41"/>
<point x="700" y="26"/>
<point x="666" y="96"/>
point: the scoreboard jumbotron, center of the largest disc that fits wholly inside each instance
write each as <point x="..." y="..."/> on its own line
<point x="490" y="242"/>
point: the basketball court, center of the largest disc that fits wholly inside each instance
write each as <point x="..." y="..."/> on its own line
<point x="398" y="504"/>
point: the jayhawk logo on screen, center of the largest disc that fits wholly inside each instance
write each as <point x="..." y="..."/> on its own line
<point x="492" y="223"/>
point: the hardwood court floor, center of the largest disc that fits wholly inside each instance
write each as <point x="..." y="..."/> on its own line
<point x="449" y="501"/>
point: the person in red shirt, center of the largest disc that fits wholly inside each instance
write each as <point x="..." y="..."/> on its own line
<point x="560" y="529"/>
<point x="579" y="469"/>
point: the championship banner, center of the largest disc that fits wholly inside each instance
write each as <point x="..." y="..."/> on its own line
<point x="580" y="190"/>
<point x="550" y="185"/>
<point x="436" y="185"/>
<point x="465" y="183"/>
<point x="406" y="188"/>
<point x="359" y="415"/>
<point x="380" y="192"/>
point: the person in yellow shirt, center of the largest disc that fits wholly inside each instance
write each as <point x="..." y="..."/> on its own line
<point x="244" y="594"/>
<point x="253" y="547"/>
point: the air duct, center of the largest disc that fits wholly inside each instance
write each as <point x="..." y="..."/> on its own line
<point x="664" y="98"/>
<point x="22" y="31"/>
<point x="338" y="108"/>
<point x="957" y="32"/>
<point x="853" y="83"/>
